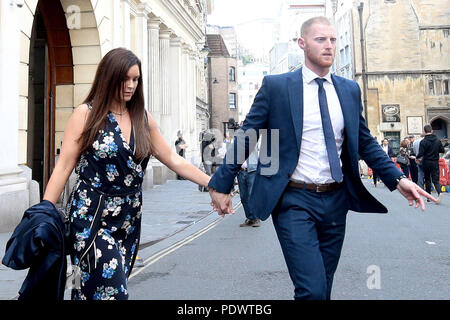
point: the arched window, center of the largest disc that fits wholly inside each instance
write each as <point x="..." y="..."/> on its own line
<point x="232" y="74"/>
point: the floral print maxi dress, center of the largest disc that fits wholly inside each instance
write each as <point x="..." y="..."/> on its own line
<point x="105" y="214"/>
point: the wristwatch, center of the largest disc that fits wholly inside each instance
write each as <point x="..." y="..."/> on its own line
<point x="397" y="180"/>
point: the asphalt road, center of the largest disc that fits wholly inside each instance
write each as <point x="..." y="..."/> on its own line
<point x="404" y="254"/>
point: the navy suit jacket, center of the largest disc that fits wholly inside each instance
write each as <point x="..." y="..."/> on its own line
<point x="279" y="105"/>
<point x="38" y="243"/>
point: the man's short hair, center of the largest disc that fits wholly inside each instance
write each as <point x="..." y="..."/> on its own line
<point x="308" y="23"/>
<point x="427" y="128"/>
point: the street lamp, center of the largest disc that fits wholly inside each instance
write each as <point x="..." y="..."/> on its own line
<point x="363" y="60"/>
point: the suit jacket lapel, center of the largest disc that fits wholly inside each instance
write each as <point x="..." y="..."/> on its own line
<point x="350" y="120"/>
<point x="296" y="104"/>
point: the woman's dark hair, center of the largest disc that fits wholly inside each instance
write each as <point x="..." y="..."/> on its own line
<point x="106" y="89"/>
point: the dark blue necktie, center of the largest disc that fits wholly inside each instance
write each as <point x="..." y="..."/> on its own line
<point x="330" y="142"/>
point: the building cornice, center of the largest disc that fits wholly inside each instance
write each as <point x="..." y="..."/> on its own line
<point x="185" y="19"/>
<point x="408" y="72"/>
<point x="436" y="27"/>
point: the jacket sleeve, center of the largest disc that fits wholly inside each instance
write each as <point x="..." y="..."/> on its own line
<point x="245" y="140"/>
<point x="372" y="153"/>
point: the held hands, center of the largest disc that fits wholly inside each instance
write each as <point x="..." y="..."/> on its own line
<point x="412" y="192"/>
<point x="221" y="202"/>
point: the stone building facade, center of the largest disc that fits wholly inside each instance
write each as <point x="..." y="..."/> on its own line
<point x="49" y="52"/>
<point x="407" y="49"/>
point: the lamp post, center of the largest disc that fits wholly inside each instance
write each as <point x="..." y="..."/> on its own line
<point x="363" y="61"/>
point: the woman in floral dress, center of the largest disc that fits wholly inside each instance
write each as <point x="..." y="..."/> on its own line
<point x="109" y="139"/>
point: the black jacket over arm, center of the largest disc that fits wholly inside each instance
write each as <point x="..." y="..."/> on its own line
<point x="38" y="243"/>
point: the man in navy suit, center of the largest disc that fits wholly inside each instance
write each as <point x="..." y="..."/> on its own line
<point x="314" y="128"/>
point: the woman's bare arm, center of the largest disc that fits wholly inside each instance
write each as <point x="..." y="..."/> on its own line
<point x="70" y="152"/>
<point x="172" y="160"/>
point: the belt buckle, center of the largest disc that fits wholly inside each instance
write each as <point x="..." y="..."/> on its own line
<point x="318" y="188"/>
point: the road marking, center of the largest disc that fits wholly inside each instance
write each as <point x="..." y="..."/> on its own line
<point x="430" y="242"/>
<point x="157" y="256"/>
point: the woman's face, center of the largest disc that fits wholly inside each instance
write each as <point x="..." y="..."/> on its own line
<point x="131" y="82"/>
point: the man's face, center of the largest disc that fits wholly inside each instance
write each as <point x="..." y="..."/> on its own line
<point x="319" y="45"/>
<point x="385" y="142"/>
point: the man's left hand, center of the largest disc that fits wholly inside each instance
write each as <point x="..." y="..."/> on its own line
<point x="412" y="192"/>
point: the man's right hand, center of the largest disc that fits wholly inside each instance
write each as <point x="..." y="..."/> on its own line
<point x="221" y="202"/>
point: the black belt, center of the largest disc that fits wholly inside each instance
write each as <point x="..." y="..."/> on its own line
<point x="119" y="194"/>
<point x="317" y="187"/>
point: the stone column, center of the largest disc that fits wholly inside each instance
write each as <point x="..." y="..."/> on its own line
<point x="116" y="25"/>
<point x="14" y="197"/>
<point x="154" y="69"/>
<point x="185" y="90"/>
<point x="164" y="48"/>
<point x="142" y="47"/>
<point x="175" y="83"/>
<point x="126" y="30"/>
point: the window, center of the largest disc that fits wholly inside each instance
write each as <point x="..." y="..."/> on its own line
<point x="264" y="73"/>
<point x="445" y="87"/>
<point x="438" y="87"/>
<point x="342" y="57"/>
<point x="347" y="54"/>
<point x="394" y="140"/>
<point x="232" y="100"/>
<point x="431" y="87"/>
<point x="232" y="75"/>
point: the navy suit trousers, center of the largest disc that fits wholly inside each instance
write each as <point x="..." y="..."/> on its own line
<point x="311" y="228"/>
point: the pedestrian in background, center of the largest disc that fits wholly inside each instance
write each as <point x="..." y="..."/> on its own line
<point x="388" y="150"/>
<point x="403" y="157"/>
<point x="429" y="149"/>
<point x="209" y="153"/>
<point x="109" y="138"/>
<point x="412" y="160"/>
<point x="418" y="161"/>
<point x="180" y="146"/>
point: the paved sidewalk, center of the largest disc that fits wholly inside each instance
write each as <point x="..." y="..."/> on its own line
<point x="167" y="210"/>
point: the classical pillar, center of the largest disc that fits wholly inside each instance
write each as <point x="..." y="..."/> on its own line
<point x="142" y="47"/>
<point x="175" y="83"/>
<point x="14" y="197"/>
<point x="154" y="69"/>
<point x="185" y="90"/>
<point x="193" y="91"/>
<point x="116" y="25"/>
<point x="164" y="48"/>
<point x="126" y="30"/>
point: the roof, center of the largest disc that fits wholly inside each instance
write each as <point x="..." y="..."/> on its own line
<point x="217" y="45"/>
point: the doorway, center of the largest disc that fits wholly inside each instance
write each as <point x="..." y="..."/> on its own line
<point x="394" y="141"/>
<point x="440" y="127"/>
<point x="37" y="137"/>
<point x="50" y="65"/>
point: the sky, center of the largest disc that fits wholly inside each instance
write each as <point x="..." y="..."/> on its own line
<point x="233" y="12"/>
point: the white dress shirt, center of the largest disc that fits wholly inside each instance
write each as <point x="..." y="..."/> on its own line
<point x="313" y="165"/>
